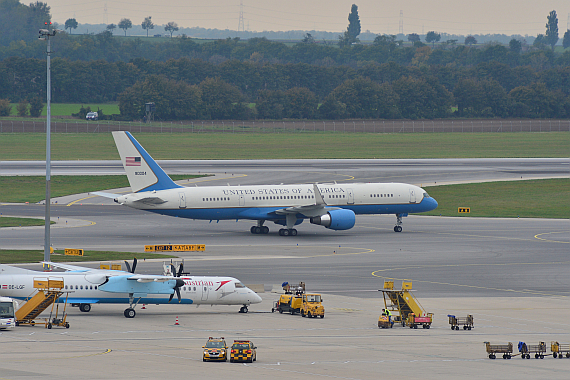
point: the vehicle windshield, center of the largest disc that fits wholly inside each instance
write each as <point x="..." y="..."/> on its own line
<point x="6" y="310"/>
<point x="215" y="344"/>
<point x="240" y="346"/>
<point x="313" y="298"/>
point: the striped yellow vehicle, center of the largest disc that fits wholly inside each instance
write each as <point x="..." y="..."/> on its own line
<point x="243" y="351"/>
<point x="215" y="350"/>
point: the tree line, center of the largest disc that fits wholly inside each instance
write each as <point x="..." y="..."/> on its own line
<point x="194" y="88"/>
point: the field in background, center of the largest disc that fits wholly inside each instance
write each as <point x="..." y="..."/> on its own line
<point x="308" y="145"/>
<point x="66" y="109"/>
<point x="28" y="256"/>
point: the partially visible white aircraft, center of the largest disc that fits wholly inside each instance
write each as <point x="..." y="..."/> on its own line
<point x="333" y="206"/>
<point x="87" y="286"/>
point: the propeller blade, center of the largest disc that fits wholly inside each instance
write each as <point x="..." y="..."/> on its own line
<point x="178" y="294"/>
<point x="171" y="296"/>
<point x="173" y="270"/>
<point x="180" y="269"/>
<point x="128" y="266"/>
<point x="134" y="264"/>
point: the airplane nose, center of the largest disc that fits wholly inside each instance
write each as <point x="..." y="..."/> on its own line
<point x="255" y="298"/>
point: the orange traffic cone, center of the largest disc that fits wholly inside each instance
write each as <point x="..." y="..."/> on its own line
<point x="176" y="324"/>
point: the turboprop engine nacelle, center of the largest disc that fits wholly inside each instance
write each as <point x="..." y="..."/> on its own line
<point x="336" y="220"/>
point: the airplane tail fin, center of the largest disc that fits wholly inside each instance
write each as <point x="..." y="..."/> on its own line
<point x="143" y="172"/>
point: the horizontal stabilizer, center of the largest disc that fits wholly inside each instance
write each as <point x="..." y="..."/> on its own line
<point x="103" y="194"/>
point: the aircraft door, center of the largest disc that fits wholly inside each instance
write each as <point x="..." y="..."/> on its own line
<point x="412" y="196"/>
<point x="182" y="198"/>
<point x="350" y="196"/>
<point x="205" y="291"/>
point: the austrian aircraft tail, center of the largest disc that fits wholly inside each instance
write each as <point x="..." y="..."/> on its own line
<point x="143" y="172"/>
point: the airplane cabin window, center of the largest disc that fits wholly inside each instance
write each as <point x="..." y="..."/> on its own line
<point x="66" y="287"/>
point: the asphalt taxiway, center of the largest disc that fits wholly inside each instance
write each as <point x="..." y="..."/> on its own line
<point x="511" y="274"/>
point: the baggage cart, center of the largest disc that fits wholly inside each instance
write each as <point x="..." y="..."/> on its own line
<point x="414" y="321"/>
<point x="558" y="349"/>
<point x="494" y="349"/>
<point x="455" y="322"/>
<point x="527" y="349"/>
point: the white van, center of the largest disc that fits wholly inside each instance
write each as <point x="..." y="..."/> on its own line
<point x="8" y="308"/>
<point x="92" y="116"/>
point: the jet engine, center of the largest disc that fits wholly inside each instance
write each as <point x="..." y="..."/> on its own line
<point x="336" y="219"/>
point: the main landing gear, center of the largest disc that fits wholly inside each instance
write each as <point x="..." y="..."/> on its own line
<point x="243" y="309"/>
<point x="398" y="226"/>
<point x="287" y="232"/>
<point x="260" y="229"/>
<point x="130" y="312"/>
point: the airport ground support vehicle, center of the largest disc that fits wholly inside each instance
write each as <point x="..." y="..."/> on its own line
<point x="243" y="351"/>
<point x="215" y="350"/>
<point x="409" y="311"/>
<point x="384" y="322"/>
<point x="312" y="306"/>
<point x="527" y="349"/>
<point x="559" y="349"/>
<point x="494" y="349"/>
<point x="308" y="305"/>
<point x="455" y="322"/>
<point x="413" y="321"/>
<point x="8" y="308"/>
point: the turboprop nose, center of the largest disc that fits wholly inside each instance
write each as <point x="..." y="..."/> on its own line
<point x="254" y="298"/>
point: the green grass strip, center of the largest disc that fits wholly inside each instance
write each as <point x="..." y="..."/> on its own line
<point x="8" y="221"/>
<point x="33" y="189"/>
<point x="546" y="198"/>
<point x="308" y="145"/>
<point x="33" y="256"/>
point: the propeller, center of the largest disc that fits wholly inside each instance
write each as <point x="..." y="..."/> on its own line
<point x="129" y="266"/>
<point x="179" y="282"/>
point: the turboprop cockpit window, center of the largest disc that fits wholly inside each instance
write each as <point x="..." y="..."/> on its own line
<point x="239" y="285"/>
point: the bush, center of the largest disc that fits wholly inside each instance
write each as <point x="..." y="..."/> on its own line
<point x="5" y="107"/>
<point x="83" y="111"/>
<point x="22" y="108"/>
<point x="36" y="106"/>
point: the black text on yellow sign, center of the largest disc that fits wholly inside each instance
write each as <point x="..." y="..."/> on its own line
<point x="73" y="252"/>
<point x="464" y="210"/>
<point x="175" y="248"/>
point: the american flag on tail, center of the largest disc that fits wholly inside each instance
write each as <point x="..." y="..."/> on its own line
<point x="133" y="161"/>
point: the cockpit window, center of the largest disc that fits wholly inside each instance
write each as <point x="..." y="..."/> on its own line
<point x="239" y="285"/>
<point x="426" y="195"/>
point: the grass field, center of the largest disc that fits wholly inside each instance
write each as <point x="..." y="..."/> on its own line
<point x="526" y="199"/>
<point x="6" y="221"/>
<point x="100" y="146"/>
<point x="27" y="256"/>
<point x="66" y="109"/>
<point x="32" y="189"/>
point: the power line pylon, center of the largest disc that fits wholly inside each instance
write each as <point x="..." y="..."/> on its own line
<point x="241" y="27"/>
<point x="401" y="29"/>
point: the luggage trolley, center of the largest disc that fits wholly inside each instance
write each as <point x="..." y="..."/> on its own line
<point x="505" y="349"/>
<point x="558" y="349"/>
<point x="537" y="349"/>
<point x="455" y="322"/>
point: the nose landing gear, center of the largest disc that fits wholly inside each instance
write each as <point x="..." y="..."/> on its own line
<point x="398" y="226"/>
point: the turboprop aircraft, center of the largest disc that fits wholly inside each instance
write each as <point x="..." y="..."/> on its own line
<point x="332" y="206"/>
<point x="86" y="286"/>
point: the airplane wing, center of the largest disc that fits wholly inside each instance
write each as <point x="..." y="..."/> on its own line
<point x="150" y="278"/>
<point x="68" y="268"/>
<point x="317" y="209"/>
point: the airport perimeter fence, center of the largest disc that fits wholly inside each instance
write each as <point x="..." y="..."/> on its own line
<point x="329" y="126"/>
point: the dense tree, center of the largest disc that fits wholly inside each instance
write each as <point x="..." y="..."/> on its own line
<point x="171" y="27"/>
<point x="470" y="40"/>
<point x="71" y="23"/>
<point x="308" y="39"/>
<point x="125" y="24"/>
<point x="413" y="37"/>
<point x="387" y="41"/>
<point x="173" y="100"/>
<point x="540" y="41"/>
<point x="515" y="46"/>
<point x="300" y="103"/>
<point x="36" y="106"/>
<point x="566" y="40"/>
<point x="269" y="104"/>
<point x="432" y="37"/>
<point x="20" y="22"/>
<point x="147" y="24"/>
<point x="111" y="27"/>
<point x="353" y="28"/>
<point x="222" y="100"/>
<point x="534" y="101"/>
<point x="551" y="35"/>
<point x="422" y="98"/>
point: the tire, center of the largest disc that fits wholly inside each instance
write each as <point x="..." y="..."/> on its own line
<point x="66" y="325"/>
<point x="252" y="229"/>
<point x="130" y="313"/>
<point x="49" y="326"/>
<point x="293" y="232"/>
<point x="265" y="230"/>
<point x="303" y="313"/>
<point x="280" y="311"/>
<point x="309" y="315"/>
<point x="85" y="307"/>
<point x="285" y="232"/>
<point x="322" y="316"/>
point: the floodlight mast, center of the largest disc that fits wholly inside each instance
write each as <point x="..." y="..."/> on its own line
<point x="46" y="34"/>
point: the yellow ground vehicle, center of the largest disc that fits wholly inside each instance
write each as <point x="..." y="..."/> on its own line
<point x="288" y="303"/>
<point x="243" y="351"/>
<point x="409" y="310"/>
<point x="311" y="306"/>
<point x="215" y="350"/>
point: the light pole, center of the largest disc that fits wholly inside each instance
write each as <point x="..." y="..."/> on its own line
<point x="46" y="34"/>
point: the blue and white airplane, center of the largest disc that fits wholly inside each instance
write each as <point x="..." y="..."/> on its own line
<point x="332" y="206"/>
<point x="86" y="286"/>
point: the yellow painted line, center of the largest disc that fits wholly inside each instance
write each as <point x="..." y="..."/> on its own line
<point x="551" y="241"/>
<point x="85" y="225"/>
<point x="82" y="199"/>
